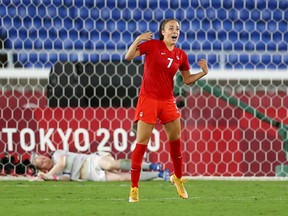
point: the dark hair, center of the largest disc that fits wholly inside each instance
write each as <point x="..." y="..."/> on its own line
<point x="162" y="26"/>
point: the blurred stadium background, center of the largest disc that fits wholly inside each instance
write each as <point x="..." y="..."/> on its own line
<point x="65" y="83"/>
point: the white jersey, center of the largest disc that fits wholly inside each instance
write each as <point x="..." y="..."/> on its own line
<point x="74" y="162"/>
<point x="77" y="163"/>
<point x="91" y="170"/>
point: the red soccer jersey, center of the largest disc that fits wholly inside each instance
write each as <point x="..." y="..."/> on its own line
<point x="160" y="67"/>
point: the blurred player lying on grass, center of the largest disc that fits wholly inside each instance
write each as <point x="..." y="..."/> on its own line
<point x="100" y="166"/>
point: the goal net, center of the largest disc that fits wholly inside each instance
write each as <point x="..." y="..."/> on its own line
<point x="64" y="83"/>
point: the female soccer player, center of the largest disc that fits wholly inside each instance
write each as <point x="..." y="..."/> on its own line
<point x="156" y="100"/>
<point x="100" y="166"/>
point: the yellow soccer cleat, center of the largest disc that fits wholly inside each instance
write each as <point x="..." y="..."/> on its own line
<point x="134" y="195"/>
<point x="179" y="184"/>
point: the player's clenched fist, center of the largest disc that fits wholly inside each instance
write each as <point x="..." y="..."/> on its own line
<point x="203" y="65"/>
<point x="145" y="36"/>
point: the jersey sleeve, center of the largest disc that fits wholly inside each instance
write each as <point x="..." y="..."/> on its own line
<point x="145" y="47"/>
<point x="185" y="63"/>
<point x="57" y="154"/>
<point x="67" y="170"/>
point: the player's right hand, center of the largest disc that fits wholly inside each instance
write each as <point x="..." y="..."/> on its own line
<point x="145" y="36"/>
<point x="36" y="178"/>
<point x="42" y="175"/>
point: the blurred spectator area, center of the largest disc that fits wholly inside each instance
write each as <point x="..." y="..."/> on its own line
<point x="230" y="34"/>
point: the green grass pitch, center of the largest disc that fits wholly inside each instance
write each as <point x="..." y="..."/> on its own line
<point x="206" y="197"/>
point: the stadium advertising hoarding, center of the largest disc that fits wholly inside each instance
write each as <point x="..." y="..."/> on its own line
<point x="77" y="129"/>
<point x="110" y="129"/>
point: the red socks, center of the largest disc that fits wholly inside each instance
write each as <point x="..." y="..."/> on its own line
<point x="175" y="153"/>
<point x="136" y="159"/>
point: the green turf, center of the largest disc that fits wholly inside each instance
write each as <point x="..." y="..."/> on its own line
<point x="156" y="198"/>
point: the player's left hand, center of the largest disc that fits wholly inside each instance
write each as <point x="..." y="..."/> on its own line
<point x="203" y="65"/>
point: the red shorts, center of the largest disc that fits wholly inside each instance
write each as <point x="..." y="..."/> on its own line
<point x="149" y="110"/>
